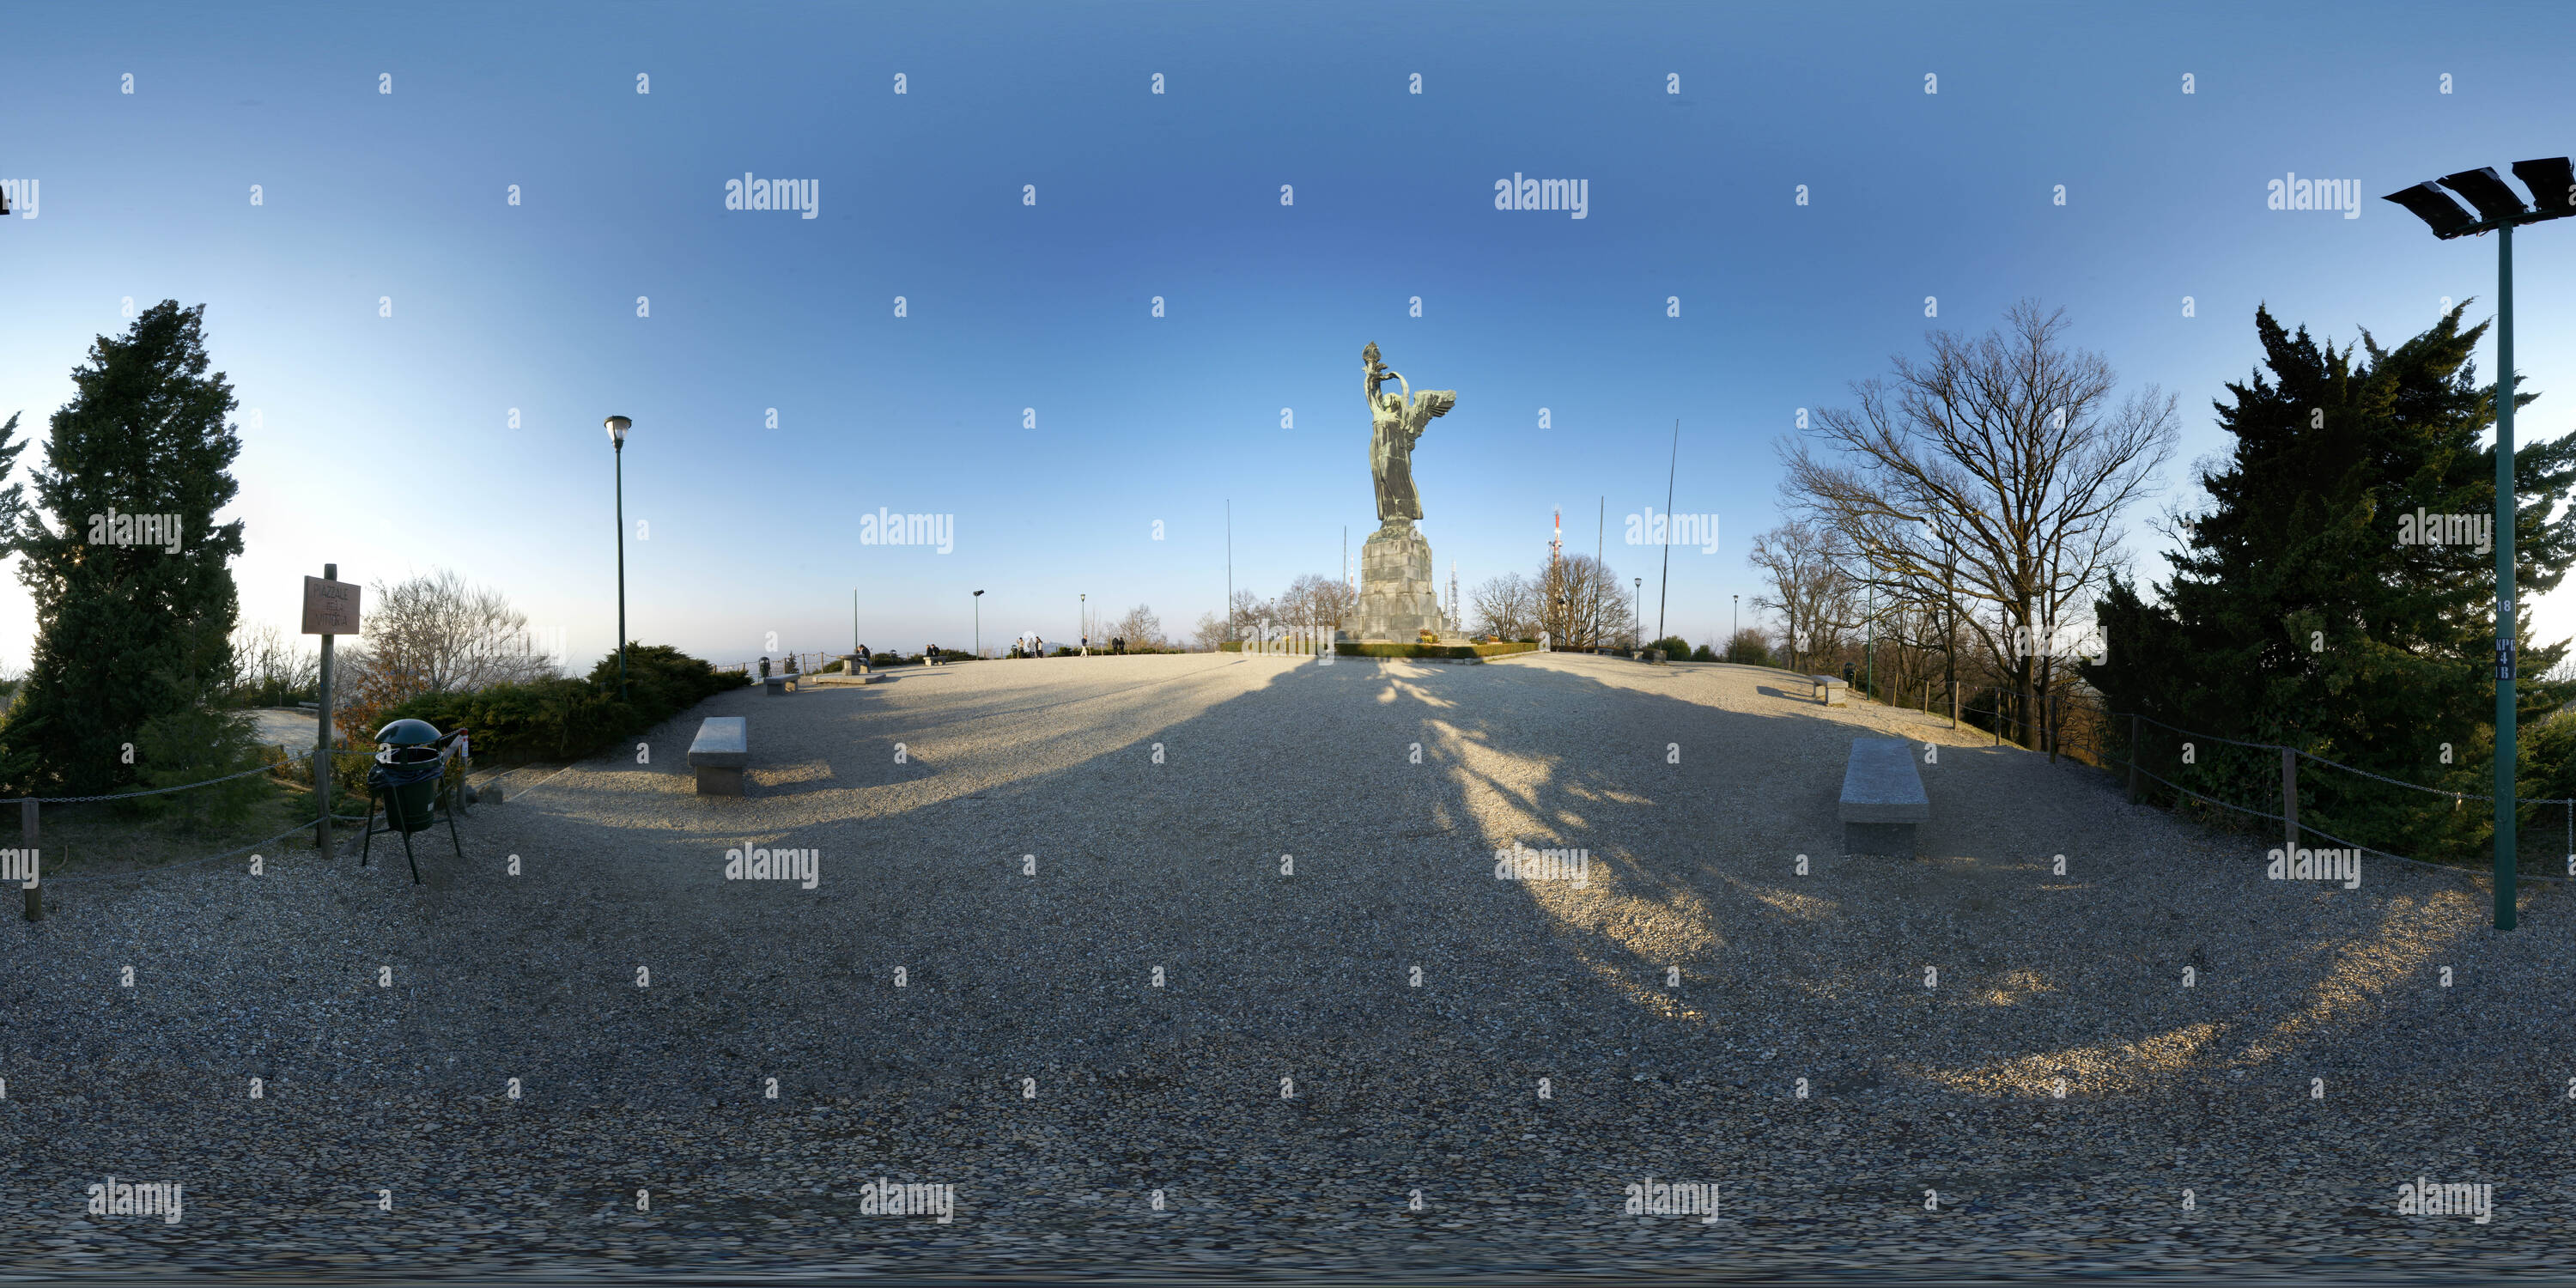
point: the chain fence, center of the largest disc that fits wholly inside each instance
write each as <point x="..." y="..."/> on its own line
<point x="2231" y="783"/>
<point x="346" y="786"/>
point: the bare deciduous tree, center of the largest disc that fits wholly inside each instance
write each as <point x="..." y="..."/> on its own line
<point x="1581" y="603"/>
<point x="1140" y="628"/>
<point x="1809" y="589"/>
<point x="1318" y="604"/>
<point x="1253" y="617"/>
<point x="270" y="665"/>
<point x="1996" y="470"/>
<point x="436" y="634"/>
<point x="1506" y="607"/>
<point x="1209" y="633"/>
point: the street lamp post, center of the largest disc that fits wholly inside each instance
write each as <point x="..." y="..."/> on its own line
<point x="617" y="427"/>
<point x="2553" y="182"/>
<point x="1636" y="624"/>
<point x="979" y="623"/>
<point x="1082" y="622"/>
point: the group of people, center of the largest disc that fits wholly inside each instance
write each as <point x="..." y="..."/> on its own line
<point x="1030" y="645"/>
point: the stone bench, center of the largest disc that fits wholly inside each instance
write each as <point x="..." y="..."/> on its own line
<point x="1830" y="689"/>
<point x="719" y="754"/>
<point x="780" y="684"/>
<point x="1883" y="797"/>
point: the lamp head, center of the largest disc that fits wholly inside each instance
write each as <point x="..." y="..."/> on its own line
<point x="617" y="427"/>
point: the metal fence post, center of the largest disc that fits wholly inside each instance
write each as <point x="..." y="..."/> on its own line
<point x="35" y="882"/>
<point x="2133" y="757"/>
<point x="2290" y="802"/>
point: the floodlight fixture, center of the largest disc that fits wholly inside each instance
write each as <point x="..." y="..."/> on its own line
<point x="2496" y="202"/>
<point x="2499" y="210"/>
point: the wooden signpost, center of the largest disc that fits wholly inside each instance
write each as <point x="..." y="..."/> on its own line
<point x="330" y="608"/>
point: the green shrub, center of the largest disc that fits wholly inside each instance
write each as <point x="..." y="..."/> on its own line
<point x="566" y="719"/>
<point x="1701" y="654"/>
<point x="1349" y="649"/>
<point x="193" y="745"/>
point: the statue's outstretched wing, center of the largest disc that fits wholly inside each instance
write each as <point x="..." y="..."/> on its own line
<point x="1433" y="403"/>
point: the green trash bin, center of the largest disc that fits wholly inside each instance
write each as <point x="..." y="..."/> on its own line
<point x="411" y="764"/>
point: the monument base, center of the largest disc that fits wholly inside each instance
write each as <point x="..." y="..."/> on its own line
<point x="1399" y="595"/>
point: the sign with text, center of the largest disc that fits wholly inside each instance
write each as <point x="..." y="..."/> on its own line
<point x="330" y="607"/>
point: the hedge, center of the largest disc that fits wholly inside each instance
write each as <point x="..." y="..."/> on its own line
<point x="1348" y="649"/>
<point x="567" y="719"/>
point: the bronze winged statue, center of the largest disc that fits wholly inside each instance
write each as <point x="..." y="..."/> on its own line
<point x="1397" y="420"/>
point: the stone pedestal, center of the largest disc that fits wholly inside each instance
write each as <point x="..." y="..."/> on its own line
<point x="1399" y="596"/>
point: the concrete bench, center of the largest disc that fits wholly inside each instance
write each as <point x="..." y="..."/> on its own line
<point x="1883" y="797"/>
<point x="779" y="684"/>
<point x="1830" y="689"/>
<point x="719" y="754"/>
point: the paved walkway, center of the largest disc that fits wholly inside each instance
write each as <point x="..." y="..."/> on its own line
<point x="1260" y="832"/>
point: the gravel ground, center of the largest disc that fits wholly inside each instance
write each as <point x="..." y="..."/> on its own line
<point x="1030" y="1061"/>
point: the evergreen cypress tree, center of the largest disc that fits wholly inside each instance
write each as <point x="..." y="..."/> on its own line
<point x="127" y="632"/>
<point x="2295" y="614"/>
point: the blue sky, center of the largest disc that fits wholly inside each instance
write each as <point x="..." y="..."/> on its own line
<point x="384" y="444"/>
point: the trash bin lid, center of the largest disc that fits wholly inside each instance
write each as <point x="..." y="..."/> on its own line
<point x="407" y="733"/>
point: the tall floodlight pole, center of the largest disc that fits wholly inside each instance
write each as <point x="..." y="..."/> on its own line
<point x="1636" y="622"/>
<point x="979" y="623"/>
<point x="1229" y="566"/>
<point x="1737" y="627"/>
<point x="617" y="427"/>
<point x="1664" y="593"/>
<point x="2499" y="208"/>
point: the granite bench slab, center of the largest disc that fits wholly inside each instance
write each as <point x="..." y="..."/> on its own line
<point x="1883" y="798"/>
<point x="719" y="754"/>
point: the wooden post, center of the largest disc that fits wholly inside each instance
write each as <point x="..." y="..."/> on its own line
<point x="2133" y="757"/>
<point x="322" y="764"/>
<point x="2290" y="802"/>
<point x="1954" y="704"/>
<point x="27" y="837"/>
